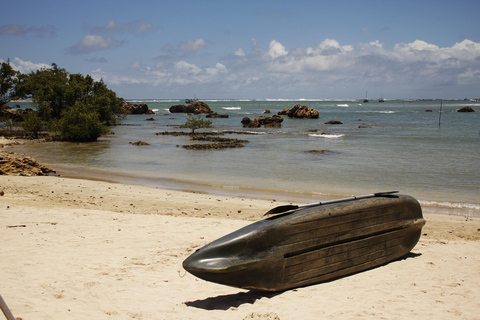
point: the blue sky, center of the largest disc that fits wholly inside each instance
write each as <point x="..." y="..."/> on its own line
<point x="253" y="49"/>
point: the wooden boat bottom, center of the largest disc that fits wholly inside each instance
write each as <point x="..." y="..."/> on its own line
<point x="340" y="259"/>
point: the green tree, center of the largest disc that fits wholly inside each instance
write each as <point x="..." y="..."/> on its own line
<point x="81" y="124"/>
<point x="47" y="88"/>
<point x="53" y="90"/>
<point x="105" y="102"/>
<point x="55" y="93"/>
<point x="194" y="123"/>
<point x="32" y="124"/>
<point x="7" y="83"/>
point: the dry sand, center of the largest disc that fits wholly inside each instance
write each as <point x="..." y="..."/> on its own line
<point x="80" y="249"/>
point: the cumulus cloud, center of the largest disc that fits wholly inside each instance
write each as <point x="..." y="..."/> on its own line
<point x="219" y="68"/>
<point x="94" y="42"/>
<point x="239" y="53"/>
<point x="26" y="66"/>
<point x="417" y="66"/>
<point x="276" y="49"/>
<point x="406" y="66"/>
<point x="186" y="67"/>
<point x="22" y="30"/>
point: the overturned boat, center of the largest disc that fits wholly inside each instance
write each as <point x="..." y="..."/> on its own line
<point x="312" y="243"/>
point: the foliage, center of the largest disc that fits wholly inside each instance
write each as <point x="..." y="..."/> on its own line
<point x="54" y="90"/>
<point x="81" y="124"/>
<point x="7" y="124"/>
<point x="7" y="83"/>
<point x="194" y="123"/>
<point x="57" y="95"/>
<point x="32" y="124"/>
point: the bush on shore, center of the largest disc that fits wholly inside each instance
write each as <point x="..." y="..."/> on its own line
<point x="76" y="106"/>
<point x="81" y="124"/>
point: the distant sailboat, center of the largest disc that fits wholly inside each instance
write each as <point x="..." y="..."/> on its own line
<point x="366" y="97"/>
<point x="381" y="99"/>
<point x="188" y="101"/>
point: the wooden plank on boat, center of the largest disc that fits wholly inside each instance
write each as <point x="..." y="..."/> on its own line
<point x="312" y="244"/>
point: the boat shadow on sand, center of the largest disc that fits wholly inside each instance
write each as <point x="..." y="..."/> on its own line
<point x="234" y="300"/>
<point x="228" y="301"/>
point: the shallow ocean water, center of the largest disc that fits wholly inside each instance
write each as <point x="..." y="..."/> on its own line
<point x="395" y="145"/>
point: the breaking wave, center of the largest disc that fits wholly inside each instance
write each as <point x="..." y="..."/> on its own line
<point x="326" y="135"/>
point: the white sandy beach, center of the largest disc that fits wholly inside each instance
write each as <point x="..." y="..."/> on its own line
<point x="81" y="249"/>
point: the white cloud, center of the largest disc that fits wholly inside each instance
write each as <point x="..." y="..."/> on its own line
<point x="219" y="68"/>
<point x="187" y="67"/>
<point x="376" y="43"/>
<point x="406" y="66"/>
<point x="467" y="50"/>
<point x="26" y="66"/>
<point x="418" y="66"/>
<point x="239" y="53"/>
<point x="94" y="42"/>
<point x="276" y="49"/>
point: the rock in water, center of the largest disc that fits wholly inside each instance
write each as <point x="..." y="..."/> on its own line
<point x="299" y="111"/>
<point x="466" y="109"/>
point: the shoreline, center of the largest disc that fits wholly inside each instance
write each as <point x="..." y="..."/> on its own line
<point x="78" y="172"/>
<point x="458" y="208"/>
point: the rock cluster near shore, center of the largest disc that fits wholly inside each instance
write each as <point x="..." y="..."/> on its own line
<point x="299" y="111"/>
<point x="268" y="122"/>
<point x="466" y="109"/>
<point x="197" y="107"/>
<point x="216" y="143"/>
<point x="15" y="165"/>
<point x="140" y="108"/>
<point x="139" y="143"/>
<point x="216" y="115"/>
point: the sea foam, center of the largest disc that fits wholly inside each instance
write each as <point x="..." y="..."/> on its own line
<point x="326" y="135"/>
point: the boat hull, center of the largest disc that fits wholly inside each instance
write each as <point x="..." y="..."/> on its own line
<point x="312" y="245"/>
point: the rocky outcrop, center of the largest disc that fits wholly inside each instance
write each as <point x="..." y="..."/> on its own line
<point x="216" y="115"/>
<point x="299" y="111"/>
<point x="197" y="107"/>
<point x="320" y="151"/>
<point x="218" y="143"/>
<point x="139" y="143"/>
<point x="14" y="165"/>
<point x="209" y="138"/>
<point x="178" y="108"/>
<point x="268" y="122"/>
<point x="333" y="122"/>
<point x="466" y="109"/>
<point x="214" y="146"/>
<point x="141" y="108"/>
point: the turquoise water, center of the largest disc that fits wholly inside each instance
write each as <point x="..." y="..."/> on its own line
<point x="395" y="145"/>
